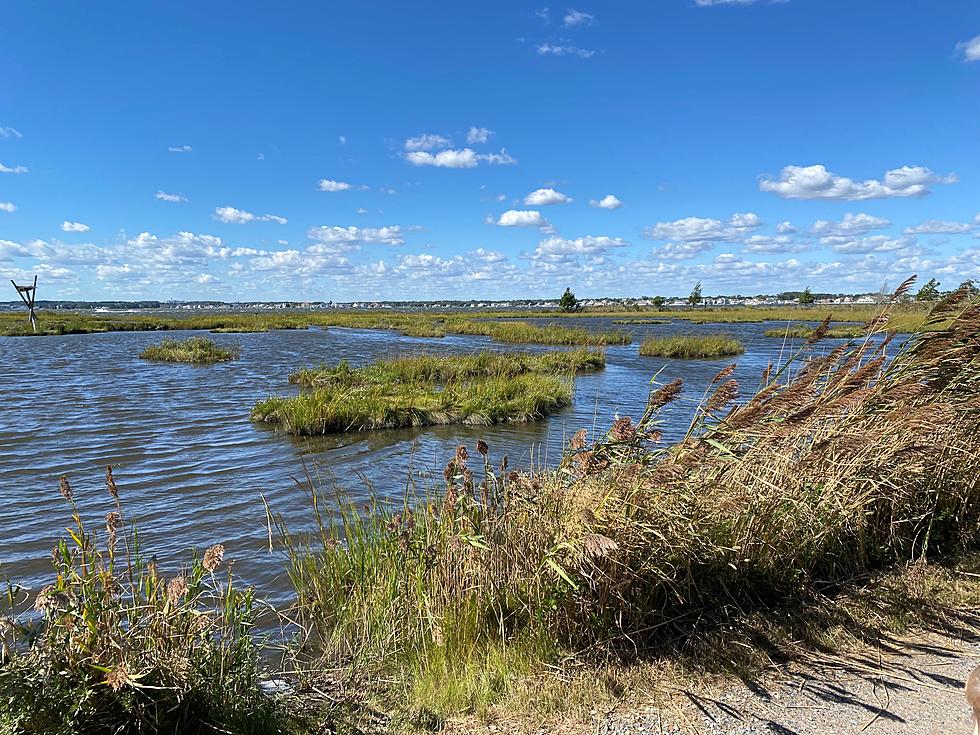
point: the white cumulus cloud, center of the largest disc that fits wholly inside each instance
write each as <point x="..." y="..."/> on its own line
<point x="352" y="237"/>
<point x="427" y="142"/>
<point x="970" y="49"/>
<point x="943" y="227"/>
<point x="180" y="149"/>
<point x="230" y="215"/>
<point x="693" y="229"/>
<point x="541" y="197"/>
<point x="521" y="218"/>
<point x="7" y="207"/>
<point x="816" y="182"/>
<point x="852" y="224"/>
<point x="609" y="201"/>
<point x="331" y="185"/>
<point x="13" y="169"/>
<point x="478" y="135"/>
<point x="74" y="227"/>
<point x="458" y="158"/>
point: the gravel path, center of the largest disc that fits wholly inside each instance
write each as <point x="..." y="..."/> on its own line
<point x="912" y="686"/>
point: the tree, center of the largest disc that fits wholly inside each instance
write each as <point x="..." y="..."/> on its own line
<point x="929" y="292"/>
<point x="695" y="298"/>
<point x="806" y="298"/>
<point x="568" y="302"/>
<point x="658" y="302"/>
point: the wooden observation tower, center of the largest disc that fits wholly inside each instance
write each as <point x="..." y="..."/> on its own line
<point x="27" y="295"/>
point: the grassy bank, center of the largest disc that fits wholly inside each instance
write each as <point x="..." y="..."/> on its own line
<point x="799" y="331"/>
<point x="413" y="325"/>
<point x="853" y="464"/>
<point x="693" y="347"/>
<point x="424" y="390"/>
<point x="195" y="350"/>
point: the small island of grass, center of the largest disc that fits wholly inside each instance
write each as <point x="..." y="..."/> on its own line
<point x="424" y="390"/>
<point x="801" y="331"/>
<point x="196" y="350"/>
<point x="692" y="347"/>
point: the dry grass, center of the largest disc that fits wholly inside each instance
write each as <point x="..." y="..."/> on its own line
<point x="842" y="464"/>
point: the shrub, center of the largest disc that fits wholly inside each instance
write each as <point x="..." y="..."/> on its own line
<point x="118" y="646"/>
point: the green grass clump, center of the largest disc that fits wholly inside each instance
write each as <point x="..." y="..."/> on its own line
<point x="424" y="390"/>
<point x="339" y="408"/>
<point x="840" y="466"/>
<point x="446" y="368"/>
<point x="196" y="350"/>
<point x="692" y="347"/>
<point x="517" y="332"/>
<point x="239" y="330"/>
<point x="641" y="321"/>
<point x="116" y="645"/>
<point x="804" y="332"/>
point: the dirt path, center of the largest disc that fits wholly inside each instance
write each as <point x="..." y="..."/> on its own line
<point x="912" y="686"/>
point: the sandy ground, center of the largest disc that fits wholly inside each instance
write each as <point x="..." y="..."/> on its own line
<point x="913" y="685"/>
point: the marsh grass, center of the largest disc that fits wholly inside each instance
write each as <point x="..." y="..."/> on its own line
<point x="641" y="321"/>
<point x="195" y="350"/>
<point x="115" y="645"/>
<point x="425" y="368"/>
<point x="801" y="331"/>
<point x="692" y="347"/>
<point x="519" y="332"/>
<point x="423" y="390"/>
<point x="840" y="465"/>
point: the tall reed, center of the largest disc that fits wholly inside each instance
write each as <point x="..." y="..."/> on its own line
<point x="114" y="644"/>
<point x="840" y="463"/>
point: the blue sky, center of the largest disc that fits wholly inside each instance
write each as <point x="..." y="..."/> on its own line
<point x="343" y="151"/>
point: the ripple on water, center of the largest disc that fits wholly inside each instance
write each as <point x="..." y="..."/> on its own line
<point x="192" y="468"/>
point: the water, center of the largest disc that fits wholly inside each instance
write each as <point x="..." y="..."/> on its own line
<point x="192" y="469"/>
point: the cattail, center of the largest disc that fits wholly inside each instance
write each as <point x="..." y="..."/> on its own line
<point x="65" y="488"/>
<point x="482" y="447"/>
<point x="110" y="483"/>
<point x="461" y="455"/>
<point x="578" y="440"/>
<point x="213" y="557"/>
